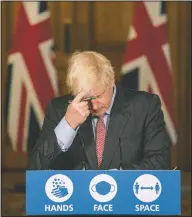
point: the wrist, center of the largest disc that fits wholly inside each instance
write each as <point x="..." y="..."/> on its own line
<point x="71" y="124"/>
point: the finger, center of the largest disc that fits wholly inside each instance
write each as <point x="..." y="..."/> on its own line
<point x="57" y="195"/>
<point x="87" y="113"/>
<point x="79" y="97"/>
<point x="83" y="108"/>
<point x="56" y="192"/>
<point x="82" y="104"/>
<point x="83" y="113"/>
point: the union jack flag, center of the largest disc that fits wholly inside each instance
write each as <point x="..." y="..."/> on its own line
<point x="32" y="79"/>
<point x="147" y="64"/>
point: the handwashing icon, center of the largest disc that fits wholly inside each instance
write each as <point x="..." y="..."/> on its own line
<point x="59" y="188"/>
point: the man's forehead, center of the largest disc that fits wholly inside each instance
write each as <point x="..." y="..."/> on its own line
<point x="96" y="90"/>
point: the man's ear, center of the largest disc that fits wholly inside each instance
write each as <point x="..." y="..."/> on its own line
<point x="113" y="82"/>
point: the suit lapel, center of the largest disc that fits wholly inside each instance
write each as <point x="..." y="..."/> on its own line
<point x="119" y="117"/>
<point x="86" y="133"/>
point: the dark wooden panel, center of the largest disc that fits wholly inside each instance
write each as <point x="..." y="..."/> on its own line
<point x="173" y="41"/>
<point x="81" y="26"/>
<point x="111" y="21"/>
<point x="183" y="86"/>
<point x="55" y="11"/>
<point x="3" y="76"/>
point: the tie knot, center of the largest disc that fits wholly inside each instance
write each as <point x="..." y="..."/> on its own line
<point x="101" y="118"/>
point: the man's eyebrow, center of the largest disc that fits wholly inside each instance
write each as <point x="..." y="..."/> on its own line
<point x="100" y="93"/>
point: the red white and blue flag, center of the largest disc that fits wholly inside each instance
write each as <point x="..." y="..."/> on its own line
<point x="32" y="78"/>
<point x="147" y="64"/>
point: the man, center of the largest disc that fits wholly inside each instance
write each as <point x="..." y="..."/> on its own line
<point x="101" y="125"/>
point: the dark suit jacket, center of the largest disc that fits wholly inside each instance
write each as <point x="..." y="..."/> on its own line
<point x="136" y="136"/>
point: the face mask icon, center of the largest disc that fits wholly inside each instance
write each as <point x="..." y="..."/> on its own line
<point x="103" y="188"/>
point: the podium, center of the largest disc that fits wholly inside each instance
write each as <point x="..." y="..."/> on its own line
<point x="134" y="192"/>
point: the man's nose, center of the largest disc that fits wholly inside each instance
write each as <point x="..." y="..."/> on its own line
<point x="94" y="104"/>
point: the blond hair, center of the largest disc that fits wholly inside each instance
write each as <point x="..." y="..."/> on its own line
<point x="87" y="67"/>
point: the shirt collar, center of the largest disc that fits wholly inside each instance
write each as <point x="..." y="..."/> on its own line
<point x="112" y="101"/>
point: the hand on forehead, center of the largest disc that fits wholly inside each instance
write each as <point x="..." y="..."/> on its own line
<point x="90" y="90"/>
